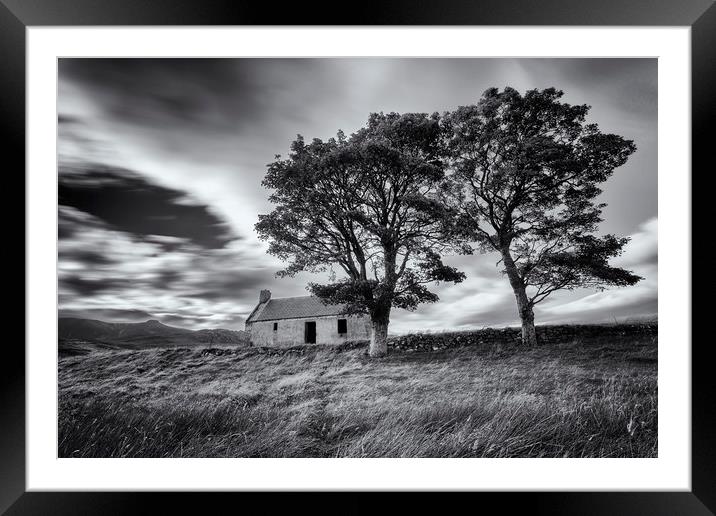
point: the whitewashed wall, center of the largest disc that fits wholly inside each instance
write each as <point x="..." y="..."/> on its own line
<point x="291" y="331"/>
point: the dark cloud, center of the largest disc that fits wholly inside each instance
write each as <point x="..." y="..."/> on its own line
<point x="128" y="202"/>
<point x="65" y="230"/>
<point x="68" y="120"/>
<point x="90" y="287"/>
<point x="167" y="278"/>
<point x="88" y="258"/>
<point x="212" y="93"/>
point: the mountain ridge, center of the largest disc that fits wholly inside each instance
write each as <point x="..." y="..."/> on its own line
<point x="75" y="331"/>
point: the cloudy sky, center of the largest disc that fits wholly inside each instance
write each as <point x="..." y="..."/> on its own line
<point x="161" y="160"/>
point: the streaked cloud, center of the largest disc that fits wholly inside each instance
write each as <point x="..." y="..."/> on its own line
<point x="129" y="202"/>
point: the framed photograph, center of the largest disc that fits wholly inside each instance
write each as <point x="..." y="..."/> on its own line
<point x="437" y="249"/>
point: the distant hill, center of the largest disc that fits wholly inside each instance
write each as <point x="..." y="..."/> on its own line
<point x="78" y="336"/>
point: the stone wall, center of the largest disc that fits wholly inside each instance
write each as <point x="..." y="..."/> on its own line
<point x="510" y="336"/>
<point x="290" y="332"/>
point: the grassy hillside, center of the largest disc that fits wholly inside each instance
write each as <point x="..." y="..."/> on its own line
<point x="591" y="397"/>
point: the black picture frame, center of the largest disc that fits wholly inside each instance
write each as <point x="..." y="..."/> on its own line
<point x="17" y="15"/>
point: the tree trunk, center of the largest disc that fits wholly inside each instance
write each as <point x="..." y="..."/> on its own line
<point x="380" y="318"/>
<point x="524" y="305"/>
<point x="379" y="339"/>
<point x="529" y="335"/>
<point x="380" y="313"/>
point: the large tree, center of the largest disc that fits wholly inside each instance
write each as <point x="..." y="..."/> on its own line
<point x="530" y="166"/>
<point x="370" y="206"/>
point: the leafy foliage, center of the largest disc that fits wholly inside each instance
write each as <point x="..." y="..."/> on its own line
<point x="371" y="204"/>
<point x="530" y="166"/>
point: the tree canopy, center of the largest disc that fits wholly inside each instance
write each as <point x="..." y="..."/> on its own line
<point x="371" y="205"/>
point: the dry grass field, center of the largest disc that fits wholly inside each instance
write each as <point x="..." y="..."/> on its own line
<point x="584" y="398"/>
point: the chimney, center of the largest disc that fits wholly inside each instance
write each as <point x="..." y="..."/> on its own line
<point x="264" y="296"/>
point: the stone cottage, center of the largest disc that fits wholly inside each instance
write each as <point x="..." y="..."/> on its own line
<point x="289" y="321"/>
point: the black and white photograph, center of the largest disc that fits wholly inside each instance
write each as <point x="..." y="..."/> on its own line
<point x="360" y="257"/>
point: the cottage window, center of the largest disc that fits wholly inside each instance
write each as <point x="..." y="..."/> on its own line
<point x="275" y="326"/>
<point x="342" y="326"/>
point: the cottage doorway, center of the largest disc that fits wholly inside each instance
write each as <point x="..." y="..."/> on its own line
<point x="310" y="332"/>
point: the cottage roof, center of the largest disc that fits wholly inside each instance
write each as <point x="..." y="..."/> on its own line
<point x="293" y="308"/>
